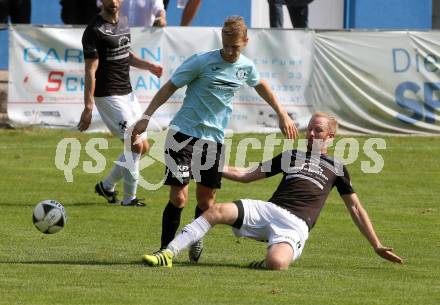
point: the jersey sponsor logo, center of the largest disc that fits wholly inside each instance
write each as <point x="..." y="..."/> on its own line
<point x="182" y="171"/>
<point x="111" y="33"/>
<point x="300" y="176"/>
<point x="122" y="51"/>
<point x="223" y="85"/>
<point x="118" y="56"/>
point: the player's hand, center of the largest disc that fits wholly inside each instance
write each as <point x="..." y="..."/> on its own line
<point x="160" y="22"/>
<point x="156" y="69"/>
<point x="388" y="254"/>
<point x="139" y="127"/>
<point x="85" y="120"/>
<point x="288" y="127"/>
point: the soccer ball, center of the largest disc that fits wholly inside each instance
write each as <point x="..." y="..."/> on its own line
<point x="49" y="216"/>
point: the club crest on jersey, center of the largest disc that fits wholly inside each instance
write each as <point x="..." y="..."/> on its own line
<point x="124" y="41"/>
<point x="242" y="73"/>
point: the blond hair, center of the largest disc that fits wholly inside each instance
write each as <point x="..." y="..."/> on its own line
<point x="235" y="26"/>
<point x="332" y="122"/>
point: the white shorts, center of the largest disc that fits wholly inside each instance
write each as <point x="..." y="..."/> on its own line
<point x="119" y="112"/>
<point x="266" y="221"/>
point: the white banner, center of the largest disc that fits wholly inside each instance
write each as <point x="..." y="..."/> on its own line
<point x="46" y="72"/>
<point x="374" y="82"/>
<point x="378" y="82"/>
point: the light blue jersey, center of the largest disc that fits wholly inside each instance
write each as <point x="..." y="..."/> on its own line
<point x="211" y="84"/>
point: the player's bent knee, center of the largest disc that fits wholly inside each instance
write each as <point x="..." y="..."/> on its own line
<point x="277" y="264"/>
<point x="205" y="199"/>
<point x="145" y="147"/>
<point x="214" y="211"/>
<point x="279" y="256"/>
<point x="214" y="214"/>
<point x="178" y="200"/>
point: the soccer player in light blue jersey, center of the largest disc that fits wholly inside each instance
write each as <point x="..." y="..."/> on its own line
<point x="195" y="140"/>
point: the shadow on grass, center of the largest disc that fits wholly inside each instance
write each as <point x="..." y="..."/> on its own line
<point x="70" y="262"/>
<point x="210" y="265"/>
<point x="73" y="204"/>
<point x="377" y="267"/>
<point x="109" y="263"/>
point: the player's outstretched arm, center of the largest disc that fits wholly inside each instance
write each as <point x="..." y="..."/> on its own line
<point x="243" y="174"/>
<point x="362" y="221"/>
<point x="91" y="65"/>
<point x="136" y="61"/>
<point x="287" y="125"/>
<point x="158" y="100"/>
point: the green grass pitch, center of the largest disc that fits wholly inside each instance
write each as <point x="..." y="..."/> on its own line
<point x="96" y="258"/>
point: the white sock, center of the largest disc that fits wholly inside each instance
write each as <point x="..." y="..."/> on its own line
<point x="115" y="175"/>
<point x="131" y="177"/>
<point x="189" y="235"/>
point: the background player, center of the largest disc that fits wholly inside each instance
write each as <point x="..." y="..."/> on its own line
<point x="106" y="45"/>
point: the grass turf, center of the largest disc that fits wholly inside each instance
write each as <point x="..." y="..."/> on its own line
<point x="96" y="258"/>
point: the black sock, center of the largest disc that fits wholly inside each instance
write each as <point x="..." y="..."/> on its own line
<point x="170" y="224"/>
<point x="198" y="211"/>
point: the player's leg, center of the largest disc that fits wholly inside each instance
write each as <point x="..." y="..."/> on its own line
<point x="118" y="113"/>
<point x="131" y="112"/>
<point x="299" y="16"/>
<point x="110" y="109"/>
<point x="276" y="17"/>
<point x="71" y="12"/>
<point x="226" y="213"/>
<point x="286" y="235"/>
<point x="172" y="213"/>
<point x="178" y="150"/>
<point x="205" y="199"/>
<point x="207" y="157"/>
<point x="20" y="11"/>
<point x="4" y="11"/>
<point x="131" y="171"/>
<point x="279" y="256"/>
<point x="131" y="175"/>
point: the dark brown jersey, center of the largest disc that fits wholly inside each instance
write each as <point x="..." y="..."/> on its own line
<point x="307" y="181"/>
<point x="110" y="43"/>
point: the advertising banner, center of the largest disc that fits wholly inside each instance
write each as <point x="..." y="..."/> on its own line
<point x="378" y="82"/>
<point x="46" y="71"/>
